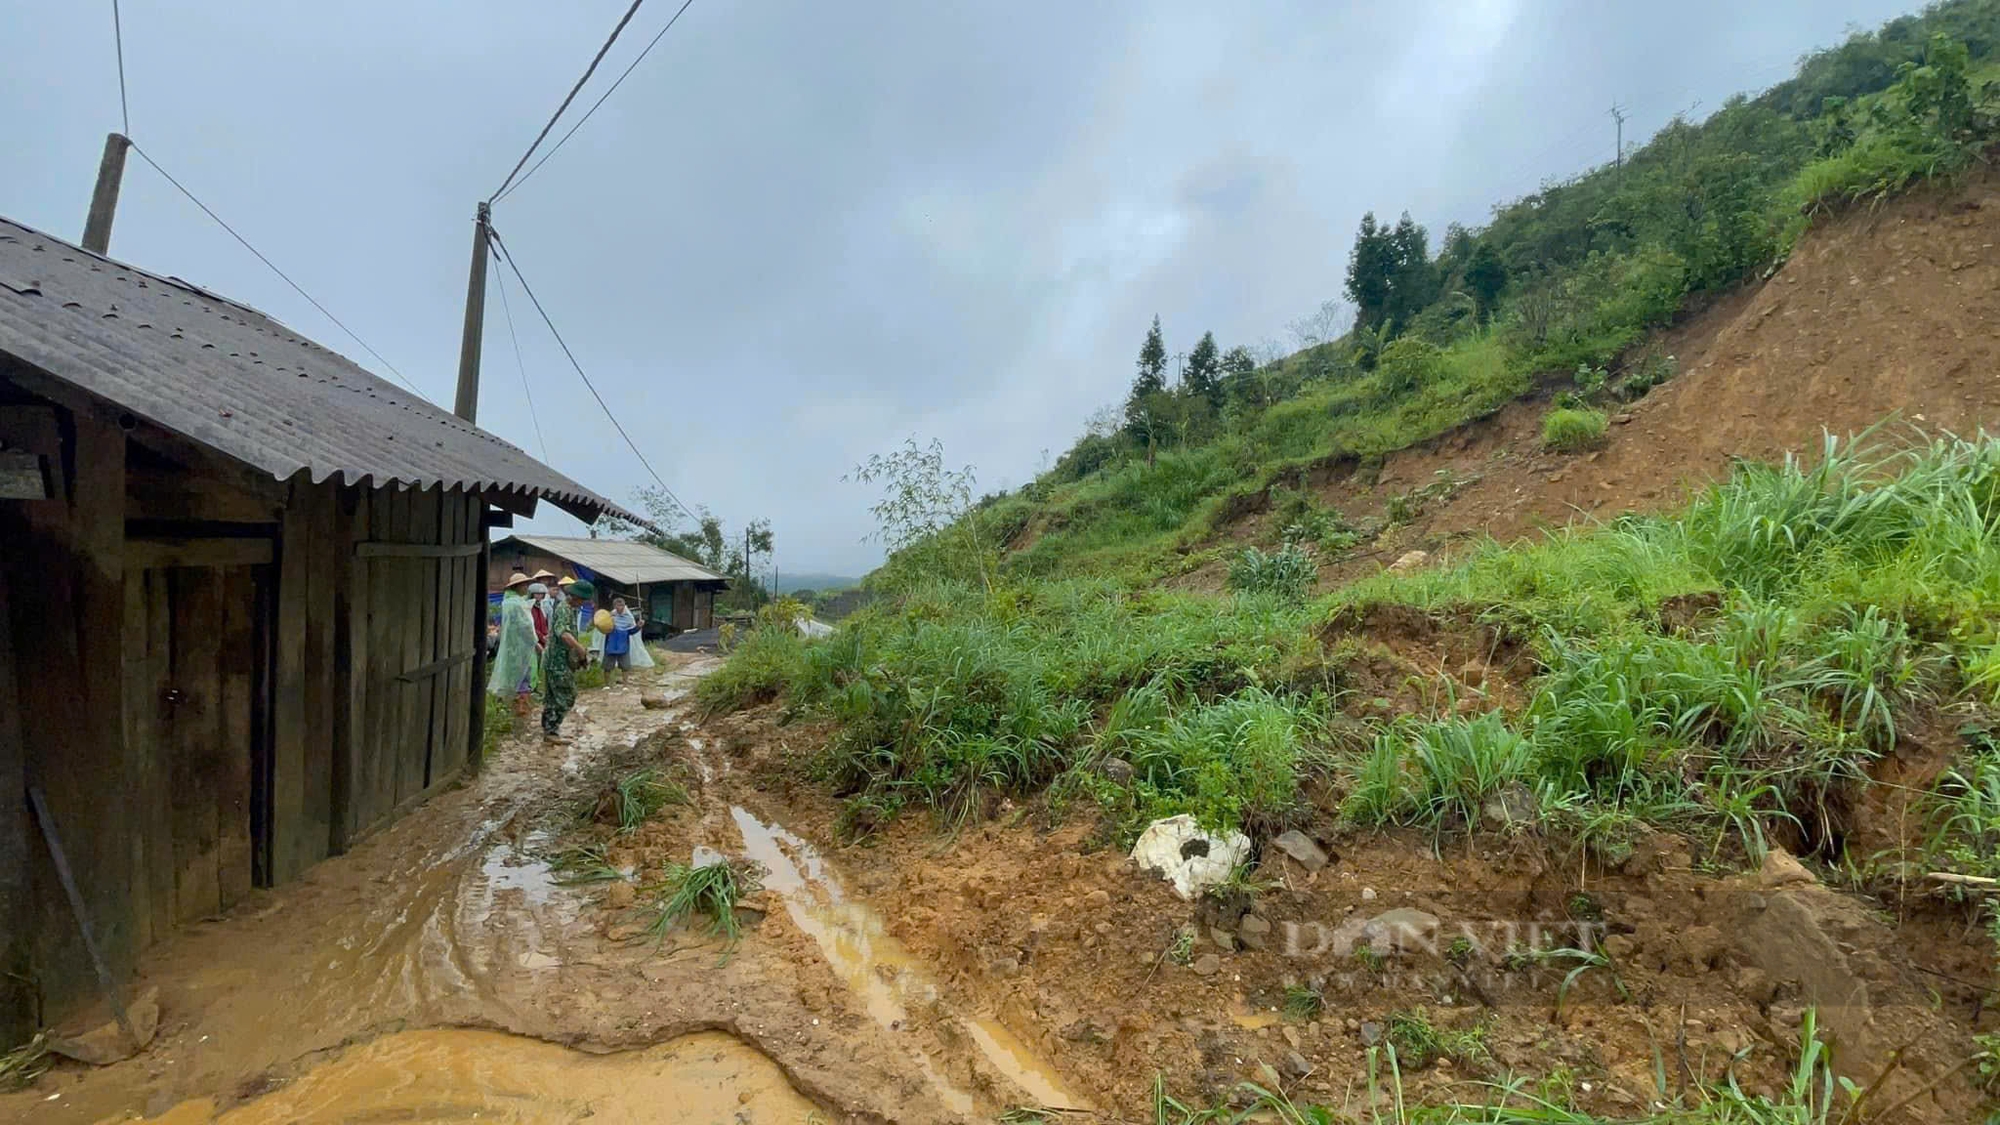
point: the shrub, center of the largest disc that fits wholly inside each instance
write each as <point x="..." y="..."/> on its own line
<point x="1285" y="573"/>
<point x="1573" y="430"/>
<point x="1407" y="365"/>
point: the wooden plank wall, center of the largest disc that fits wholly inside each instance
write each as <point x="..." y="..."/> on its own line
<point x="410" y="609"/>
<point x="68" y="663"/>
<point x="314" y="534"/>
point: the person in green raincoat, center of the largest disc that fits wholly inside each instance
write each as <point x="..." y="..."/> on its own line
<point x="560" y="661"/>
<point x="514" y="656"/>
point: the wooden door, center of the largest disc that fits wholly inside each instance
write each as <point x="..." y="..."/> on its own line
<point x="196" y="690"/>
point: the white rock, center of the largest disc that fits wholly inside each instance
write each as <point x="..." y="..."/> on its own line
<point x="1192" y="860"/>
<point x="1409" y="560"/>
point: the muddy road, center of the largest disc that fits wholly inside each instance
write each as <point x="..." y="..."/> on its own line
<point x="441" y="971"/>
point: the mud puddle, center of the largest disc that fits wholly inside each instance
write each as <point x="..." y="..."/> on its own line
<point x="876" y="968"/>
<point x="458" y="1075"/>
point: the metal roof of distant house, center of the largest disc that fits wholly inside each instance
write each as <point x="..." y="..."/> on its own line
<point x="233" y="379"/>
<point x="621" y="560"/>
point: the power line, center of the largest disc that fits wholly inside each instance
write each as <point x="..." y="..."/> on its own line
<point x="500" y="279"/>
<point x="553" y="149"/>
<point x="118" y="36"/>
<point x="573" y="90"/>
<point x="324" y="311"/>
<point x="507" y="257"/>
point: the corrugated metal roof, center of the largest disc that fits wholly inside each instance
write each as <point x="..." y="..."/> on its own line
<point x="231" y="378"/>
<point x="621" y="560"/>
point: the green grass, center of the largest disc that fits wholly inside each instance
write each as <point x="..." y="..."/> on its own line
<point x="711" y="890"/>
<point x="638" y="795"/>
<point x="1574" y="430"/>
<point x="1722" y="671"/>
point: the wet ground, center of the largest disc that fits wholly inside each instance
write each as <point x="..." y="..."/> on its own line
<point x="439" y="971"/>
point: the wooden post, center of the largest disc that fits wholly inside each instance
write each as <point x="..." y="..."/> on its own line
<point x="17" y="1002"/>
<point x="466" y="406"/>
<point x="476" y="733"/>
<point x="104" y="200"/>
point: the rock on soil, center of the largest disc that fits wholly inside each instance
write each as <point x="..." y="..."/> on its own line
<point x="1192" y="860"/>
<point x="1207" y="965"/>
<point x="1301" y="848"/>
<point x="107" y="1043"/>
<point x="1409" y="560"/>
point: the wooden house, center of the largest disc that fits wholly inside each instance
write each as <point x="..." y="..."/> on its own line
<point x="677" y="595"/>
<point x="241" y="594"/>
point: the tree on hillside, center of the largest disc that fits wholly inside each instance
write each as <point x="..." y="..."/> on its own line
<point x="1140" y="412"/>
<point x="1371" y="272"/>
<point x="1239" y="360"/>
<point x="1204" y="371"/>
<point x="925" y="514"/>
<point x="1414" y="283"/>
<point x="1485" y="277"/>
<point x="1390" y="275"/>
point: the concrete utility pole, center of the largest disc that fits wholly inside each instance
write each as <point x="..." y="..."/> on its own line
<point x="104" y="200"/>
<point x="1618" y="115"/>
<point x="466" y="405"/>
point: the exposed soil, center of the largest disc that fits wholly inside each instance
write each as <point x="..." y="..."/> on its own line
<point x="920" y="979"/>
<point x="1069" y="946"/>
<point x="1881" y="314"/>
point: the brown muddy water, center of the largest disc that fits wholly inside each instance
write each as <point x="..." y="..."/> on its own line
<point x="877" y="968"/>
<point x="440" y="972"/>
<point x="456" y="1075"/>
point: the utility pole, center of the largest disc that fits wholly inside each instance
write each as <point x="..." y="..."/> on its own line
<point x="104" y="200"/>
<point x="1618" y="115"/>
<point x="466" y="405"/>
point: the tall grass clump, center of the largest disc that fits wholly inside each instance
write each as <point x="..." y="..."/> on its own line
<point x="1285" y="573"/>
<point x="1574" y="430"/>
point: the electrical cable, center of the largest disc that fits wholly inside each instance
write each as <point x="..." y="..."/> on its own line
<point x="553" y="149"/>
<point x="324" y="311"/>
<point x="573" y="90"/>
<point x="507" y="257"/>
<point x="500" y="279"/>
<point x="118" y="36"/>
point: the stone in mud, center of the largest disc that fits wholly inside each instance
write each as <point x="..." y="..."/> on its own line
<point x="1402" y="928"/>
<point x="1253" y="932"/>
<point x="1302" y="849"/>
<point x="620" y="895"/>
<point x="1409" y="560"/>
<point x="1371" y="1033"/>
<point x="1192" y="860"/>
<point x="1511" y="805"/>
<point x="1207" y="965"/>
<point x="1296" y="1065"/>
<point x="1097" y="900"/>
<point x="1223" y="939"/>
<point x="1782" y="870"/>
<point x="107" y="1043"/>
<point x="1117" y="771"/>
<point x="1698" y="948"/>
<point x="654" y="701"/>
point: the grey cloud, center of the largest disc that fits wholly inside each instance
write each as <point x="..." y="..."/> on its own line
<point x="802" y="232"/>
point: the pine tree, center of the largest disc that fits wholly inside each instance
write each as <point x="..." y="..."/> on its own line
<point x="1152" y="379"/>
<point x="1371" y="272"/>
<point x="1413" y="284"/>
<point x="1204" y="371"/>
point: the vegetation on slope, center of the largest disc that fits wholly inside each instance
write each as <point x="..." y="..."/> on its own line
<point x="1570" y="278"/>
<point x="1833" y="605"/>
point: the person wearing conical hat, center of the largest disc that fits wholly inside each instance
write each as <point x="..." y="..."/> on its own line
<point x="514" y="656"/>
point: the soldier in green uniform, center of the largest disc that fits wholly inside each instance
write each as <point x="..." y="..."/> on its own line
<point x="559" y="662"/>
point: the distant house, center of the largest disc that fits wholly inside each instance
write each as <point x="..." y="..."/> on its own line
<point x="241" y="594"/>
<point x="677" y="595"/>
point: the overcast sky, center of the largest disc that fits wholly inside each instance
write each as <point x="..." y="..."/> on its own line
<point x="804" y="231"/>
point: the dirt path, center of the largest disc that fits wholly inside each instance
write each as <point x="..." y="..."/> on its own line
<point x="305" y="1004"/>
